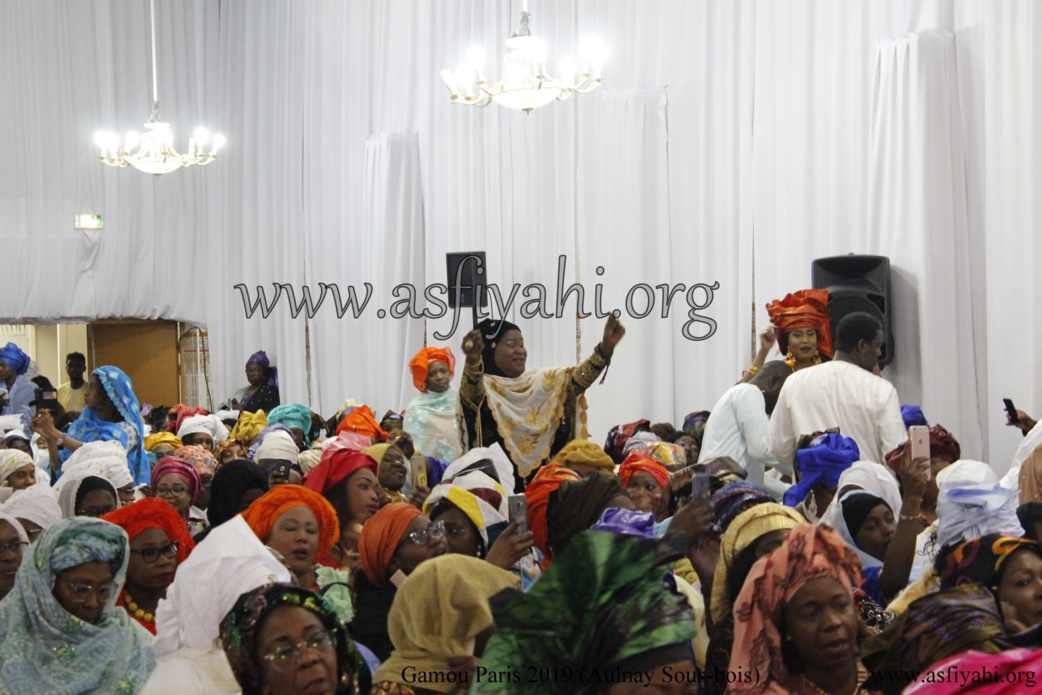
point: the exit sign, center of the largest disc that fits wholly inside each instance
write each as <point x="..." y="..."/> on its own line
<point x="88" y="221"/>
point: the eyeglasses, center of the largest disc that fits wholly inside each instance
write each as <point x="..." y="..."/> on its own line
<point x="175" y="491"/>
<point x="14" y="547"/>
<point x="421" y="536"/>
<point x="81" y="591"/>
<point x="286" y="657"/>
<point x="150" y="555"/>
<point x="33" y="534"/>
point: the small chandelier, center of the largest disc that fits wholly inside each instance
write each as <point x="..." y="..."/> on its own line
<point x="525" y="84"/>
<point x="153" y="151"/>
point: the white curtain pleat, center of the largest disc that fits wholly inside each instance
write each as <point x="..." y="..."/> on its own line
<point x="918" y="218"/>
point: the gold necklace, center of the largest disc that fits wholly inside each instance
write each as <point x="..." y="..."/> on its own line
<point x="136" y="611"/>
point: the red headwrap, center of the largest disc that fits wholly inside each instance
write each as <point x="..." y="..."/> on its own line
<point x="362" y="420"/>
<point x="338" y="462"/>
<point x="804" y="309"/>
<point x="184" y="412"/>
<point x="153" y="513"/>
<point x="537" y="494"/>
<point x="171" y="465"/>
<point x="942" y="445"/>
<point x="380" y="538"/>
<point x="266" y="510"/>
<point x="421" y="362"/>
<point x="642" y="463"/>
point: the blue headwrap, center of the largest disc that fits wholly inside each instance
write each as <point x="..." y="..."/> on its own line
<point x="627" y="522"/>
<point x="913" y="415"/>
<point x="822" y="462"/>
<point x="13" y="356"/>
<point x="292" y="415"/>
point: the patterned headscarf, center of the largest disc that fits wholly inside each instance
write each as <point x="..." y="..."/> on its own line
<point x="803" y="309"/>
<point x="607" y="601"/>
<point x="265" y="511"/>
<point x="292" y="415"/>
<point x="932" y="629"/>
<point x="241" y="628"/>
<point x="43" y="647"/>
<point x="742" y="532"/>
<point x="261" y="358"/>
<point x="980" y="561"/>
<point x="90" y="427"/>
<point x="153" y="513"/>
<point x="942" y="445"/>
<point x="642" y="463"/>
<point x="201" y="459"/>
<point x="809" y="552"/>
<point x="380" y="537"/>
<point x="421" y="363"/>
<point x="13" y="357"/>
<point x="733" y="499"/>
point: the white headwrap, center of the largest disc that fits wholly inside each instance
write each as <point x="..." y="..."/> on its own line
<point x="19" y="529"/>
<point x="191" y="614"/>
<point x="206" y="424"/>
<point x="16" y="434"/>
<point x="68" y="486"/>
<point x="10" y="422"/>
<point x="223" y="415"/>
<point x="495" y="454"/>
<point x="106" y="460"/>
<point x="11" y="460"/>
<point x="871" y="477"/>
<point x="972" y="504"/>
<point x="309" y="458"/>
<point x="277" y="445"/>
<point x="36" y="504"/>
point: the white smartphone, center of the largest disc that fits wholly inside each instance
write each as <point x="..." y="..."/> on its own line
<point x="919" y="441"/>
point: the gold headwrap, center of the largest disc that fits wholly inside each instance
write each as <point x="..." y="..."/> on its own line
<point x="154" y="440"/>
<point x="249" y="426"/>
<point x="587" y="452"/>
<point x="740" y="534"/>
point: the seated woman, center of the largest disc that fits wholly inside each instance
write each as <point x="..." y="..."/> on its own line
<point x="36" y="509"/>
<point x="205" y="465"/>
<point x="159" y="542"/>
<point x="1009" y="566"/>
<point x="263" y="390"/>
<point x="60" y="629"/>
<point x="796" y="626"/>
<point x="606" y="606"/>
<point x="229" y="450"/>
<point x="532" y="413"/>
<point x="647" y="482"/>
<point x="439" y="624"/>
<point x="248" y="427"/>
<point x="105" y="459"/>
<point x="393" y="544"/>
<point x="234" y="488"/>
<point x="753" y="534"/>
<point x="13" y="544"/>
<point x="162" y="444"/>
<point x="177" y="483"/>
<point x="284" y="640"/>
<point x="297" y="418"/>
<point x="17" y="440"/>
<point x="301" y="525"/>
<point x="112" y="414"/>
<point x="206" y="431"/>
<point x="17" y="469"/>
<point x="431" y="417"/>
<point x="474" y="510"/>
<point x="347" y="478"/>
<point x="85" y="494"/>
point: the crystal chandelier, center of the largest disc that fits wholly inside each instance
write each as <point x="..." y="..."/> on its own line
<point x="153" y="151"/>
<point x="525" y="84"/>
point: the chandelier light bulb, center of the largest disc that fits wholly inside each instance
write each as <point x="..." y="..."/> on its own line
<point x="567" y="68"/>
<point x="476" y="58"/>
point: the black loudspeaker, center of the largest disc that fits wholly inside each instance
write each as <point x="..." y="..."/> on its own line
<point x="466" y="272"/>
<point x="857" y="283"/>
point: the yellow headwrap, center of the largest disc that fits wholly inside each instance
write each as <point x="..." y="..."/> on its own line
<point x="154" y="440"/>
<point x="587" y="452"/>
<point x="249" y="426"/>
<point x="740" y="534"/>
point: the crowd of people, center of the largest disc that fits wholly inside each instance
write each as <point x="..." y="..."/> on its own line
<point x="787" y="540"/>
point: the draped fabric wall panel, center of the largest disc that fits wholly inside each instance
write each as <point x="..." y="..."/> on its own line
<point x="918" y="218"/>
<point x="760" y="156"/>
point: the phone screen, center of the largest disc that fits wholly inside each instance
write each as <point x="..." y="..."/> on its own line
<point x="518" y="510"/>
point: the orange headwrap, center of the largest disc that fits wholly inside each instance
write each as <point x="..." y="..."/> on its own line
<point x="642" y="463"/>
<point x="266" y="510"/>
<point x="804" y="309"/>
<point x="421" y="362"/>
<point x="362" y="421"/>
<point x="380" y="538"/>
<point x="537" y="494"/>
<point x="153" y="512"/>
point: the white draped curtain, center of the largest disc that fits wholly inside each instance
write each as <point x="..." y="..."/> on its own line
<point x="732" y="143"/>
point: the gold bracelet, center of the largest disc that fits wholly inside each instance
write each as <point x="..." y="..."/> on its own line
<point x="752" y="369"/>
<point x="908" y="517"/>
